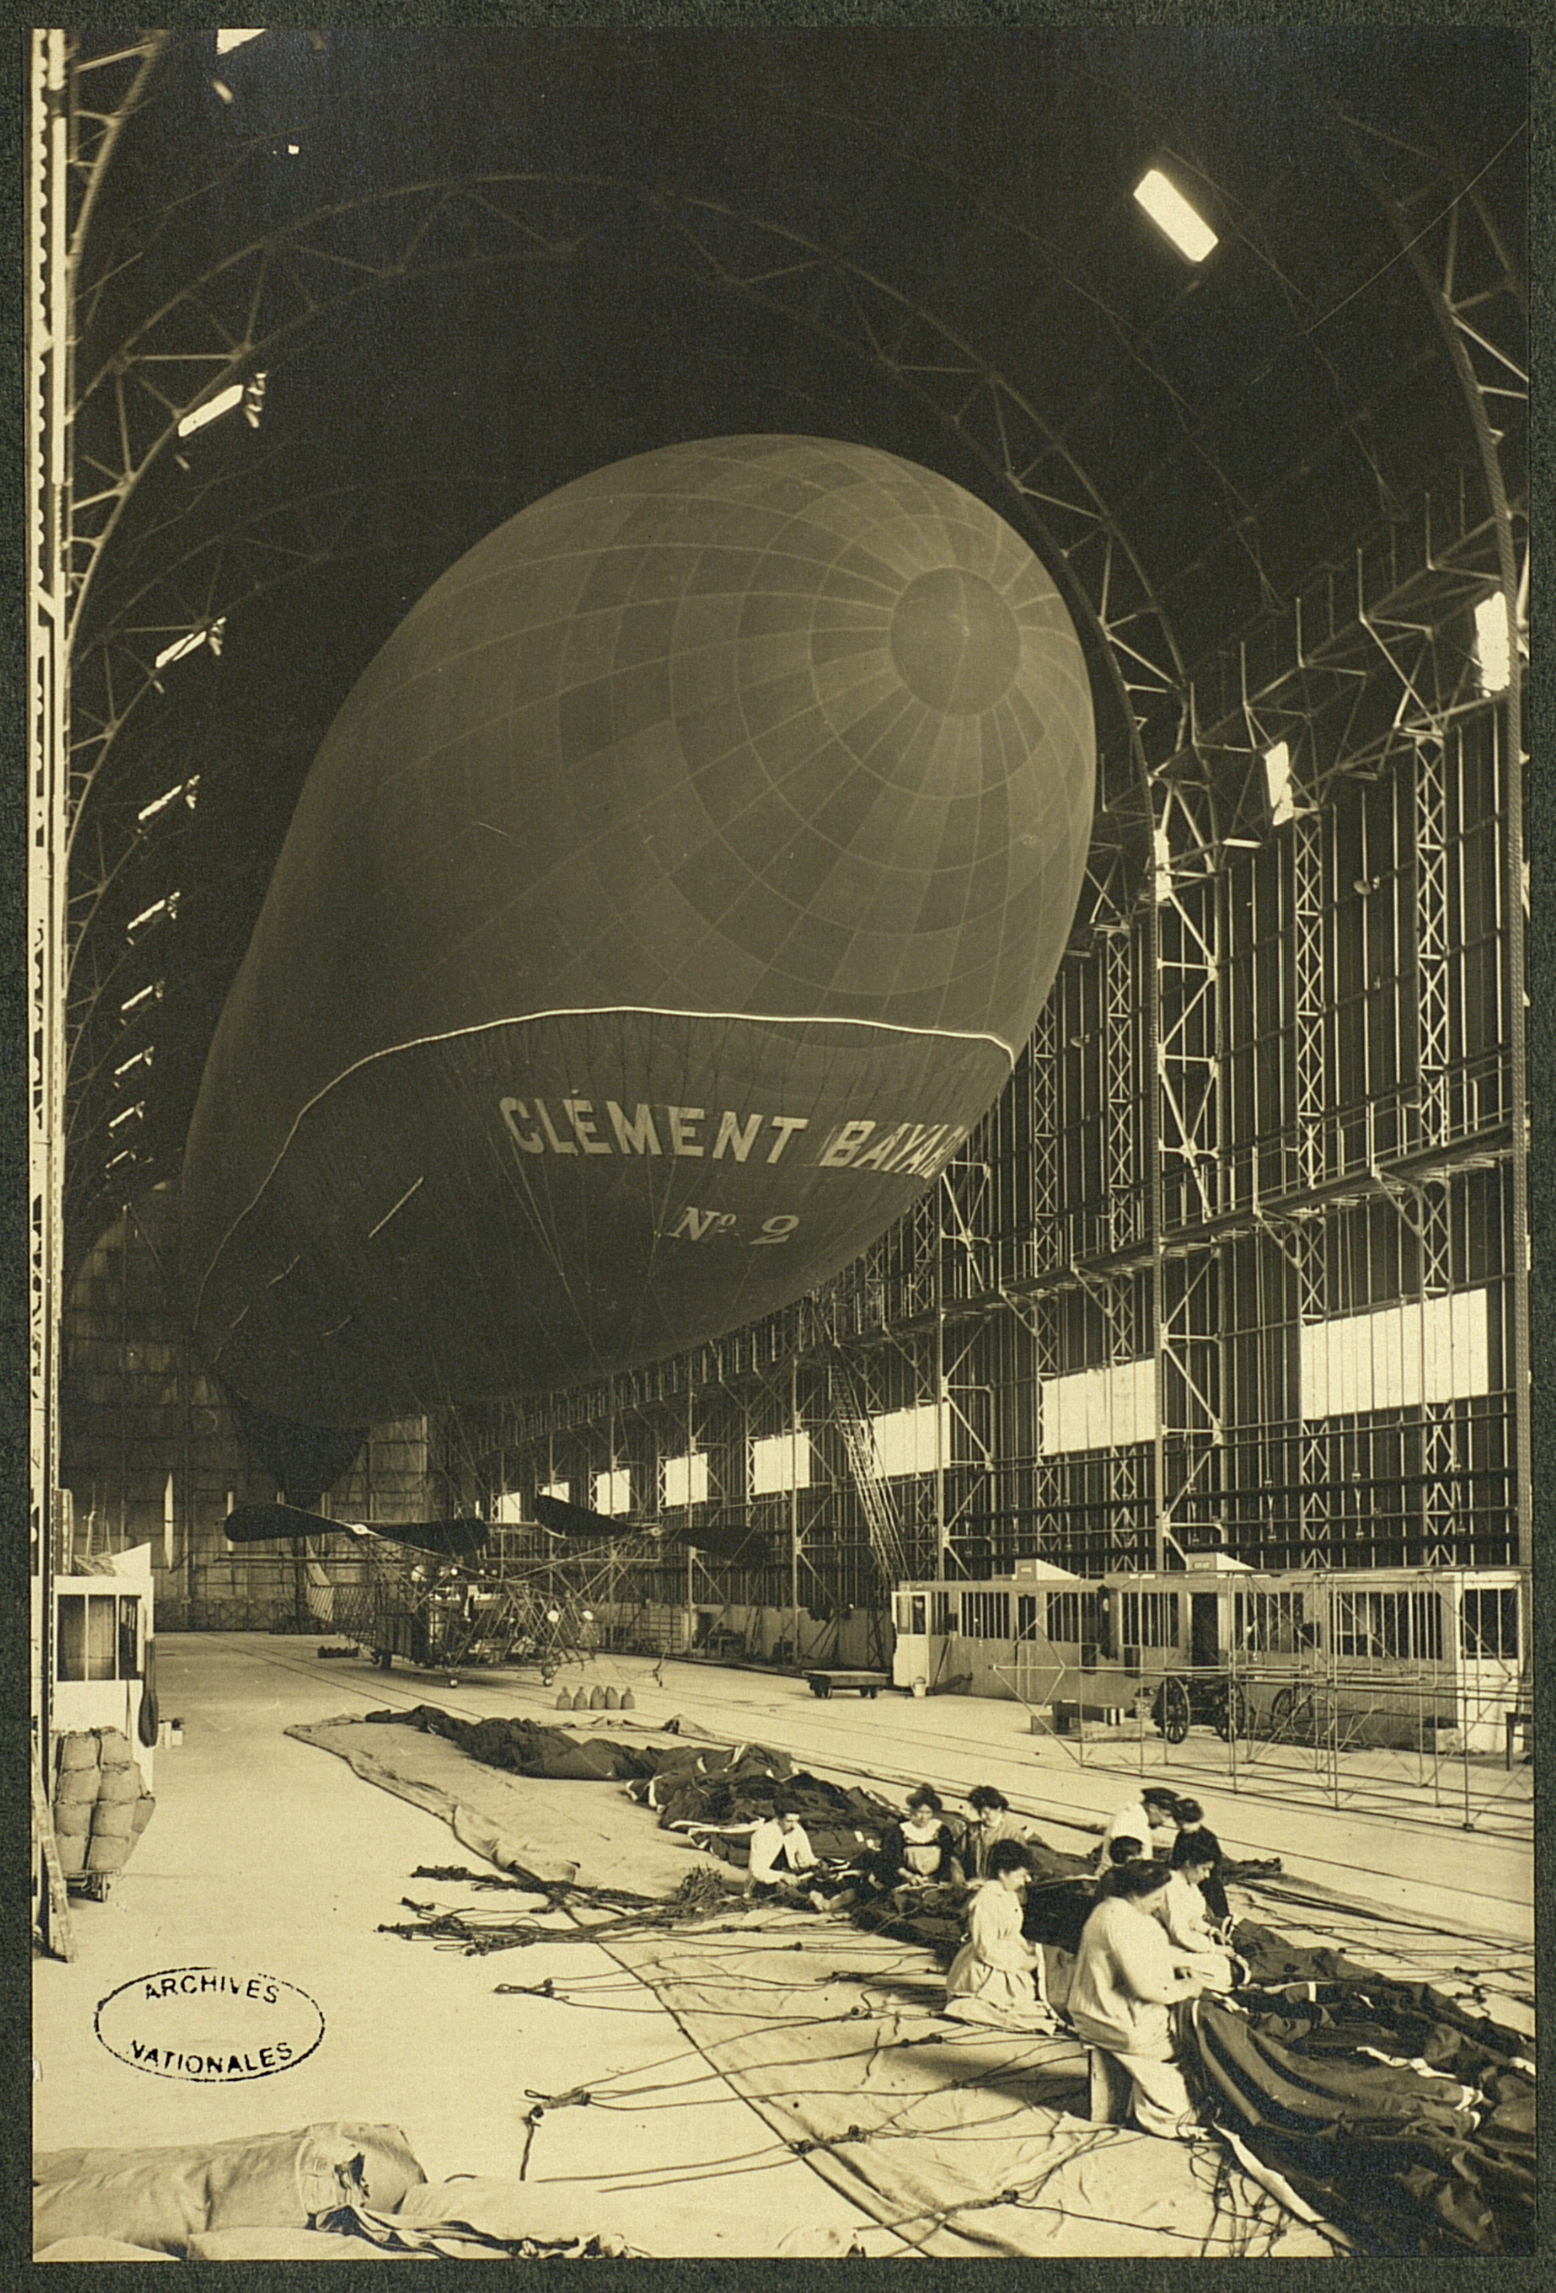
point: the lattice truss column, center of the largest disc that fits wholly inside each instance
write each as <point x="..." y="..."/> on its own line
<point x="1189" y="1341"/>
<point x="1047" y="1204"/>
<point x="1189" y="889"/>
<point x="1309" y="999"/>
<point x="1425" y="1210"/>
<point x="1307" y="1247"/>
<point x="1121" y="1175"/>
<point x="1434" y="1033"/>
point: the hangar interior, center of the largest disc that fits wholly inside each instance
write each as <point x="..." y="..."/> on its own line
<point x="1235" y="1274"/>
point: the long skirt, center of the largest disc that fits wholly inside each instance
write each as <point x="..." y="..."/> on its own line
<point x="978" y="1992"/>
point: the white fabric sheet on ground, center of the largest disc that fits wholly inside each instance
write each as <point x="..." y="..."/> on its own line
<point x="951" y="2140"/>
<point x="960" y="2141"/>
<point x="561" y="1831"/>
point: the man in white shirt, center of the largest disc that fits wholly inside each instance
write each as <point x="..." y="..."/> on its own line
<point x="1152" y="1818"/>
<point x="781" y="1855"/>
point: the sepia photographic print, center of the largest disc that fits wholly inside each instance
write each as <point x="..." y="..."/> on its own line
<point x="780" y="1403"/>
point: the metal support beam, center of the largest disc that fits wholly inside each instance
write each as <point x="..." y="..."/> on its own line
<point x="49" y="337"/>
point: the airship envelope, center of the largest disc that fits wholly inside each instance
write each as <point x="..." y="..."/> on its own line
<point x="671" y="896"/>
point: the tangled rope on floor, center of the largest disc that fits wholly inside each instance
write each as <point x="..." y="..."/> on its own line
<point x="701" y="1892"/>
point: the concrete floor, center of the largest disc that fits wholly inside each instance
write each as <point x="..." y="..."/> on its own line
<point x="268" y="1856"/>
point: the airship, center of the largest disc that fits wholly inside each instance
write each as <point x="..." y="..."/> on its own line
<point x="670" y="898"/>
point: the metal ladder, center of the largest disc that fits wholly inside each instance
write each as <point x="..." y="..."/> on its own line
<point x="880" y="1513"/>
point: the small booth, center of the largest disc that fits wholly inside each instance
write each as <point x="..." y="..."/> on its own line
<point x="102" y="1633"/>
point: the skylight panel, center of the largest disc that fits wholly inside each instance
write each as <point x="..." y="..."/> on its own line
<point x="1174" y="217"/>
<point x="1493" y="644"/>
<point x="1277" y="780"/>
<point x="187" y="789"/>
<point x="212" y="410"/>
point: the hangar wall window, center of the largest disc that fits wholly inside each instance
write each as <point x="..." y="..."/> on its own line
<point x="1398" y="1357"/>
<point x="508" y="1509"/>
<point x="686" y="1480"/>
<point x="912" y="1440"/>
<point x="561" y="1490"/>
<point x="781" y="1461"/>
<point x="613" y="1492"/>
<point x="1488" y="1621"/>
<point x="1099" y="1408"/>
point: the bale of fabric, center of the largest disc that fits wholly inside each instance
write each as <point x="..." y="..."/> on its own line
<point x="111" y="1819"/>
<point x="114" y="1749"/>
<point x="72" y="1846"/>
<point x="164" y="2197"/>
<point x="77" y="1749"/>
<point x="117" y="1786"/>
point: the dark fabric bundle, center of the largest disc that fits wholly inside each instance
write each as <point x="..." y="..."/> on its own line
<point x="1404" y="2160"/>
<point x="842" y="1823"/>
<point x="524" y="1747"/>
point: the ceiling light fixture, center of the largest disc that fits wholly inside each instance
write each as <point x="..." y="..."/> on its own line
<point x="1174" y="217"/>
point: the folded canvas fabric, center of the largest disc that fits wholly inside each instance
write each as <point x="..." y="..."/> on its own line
<point x="477" y="2216"/>
<point x="280" y="2245"/>
<point x="99" y="2249"/>
<point x="165" y="2196"/>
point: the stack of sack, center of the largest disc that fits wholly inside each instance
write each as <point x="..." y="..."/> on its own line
<point x="100" y="1807"/>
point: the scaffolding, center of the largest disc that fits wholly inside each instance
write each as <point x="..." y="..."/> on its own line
<point x="1405" y="1693"/>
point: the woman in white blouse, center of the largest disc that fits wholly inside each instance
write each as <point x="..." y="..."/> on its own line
<point x="997" y="1974"/>
<point x="1126" y="1978"/>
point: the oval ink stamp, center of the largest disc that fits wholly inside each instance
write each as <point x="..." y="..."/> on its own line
<point x="211" y="2025"/>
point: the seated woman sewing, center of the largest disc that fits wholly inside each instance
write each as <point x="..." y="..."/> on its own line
<point x="782" y="1859"/>
<point x="920" y="1851"/>
<point x="1126" y="1979"/>
<point x="997" y="1975"/>
<point x="1198" y="1947"/>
